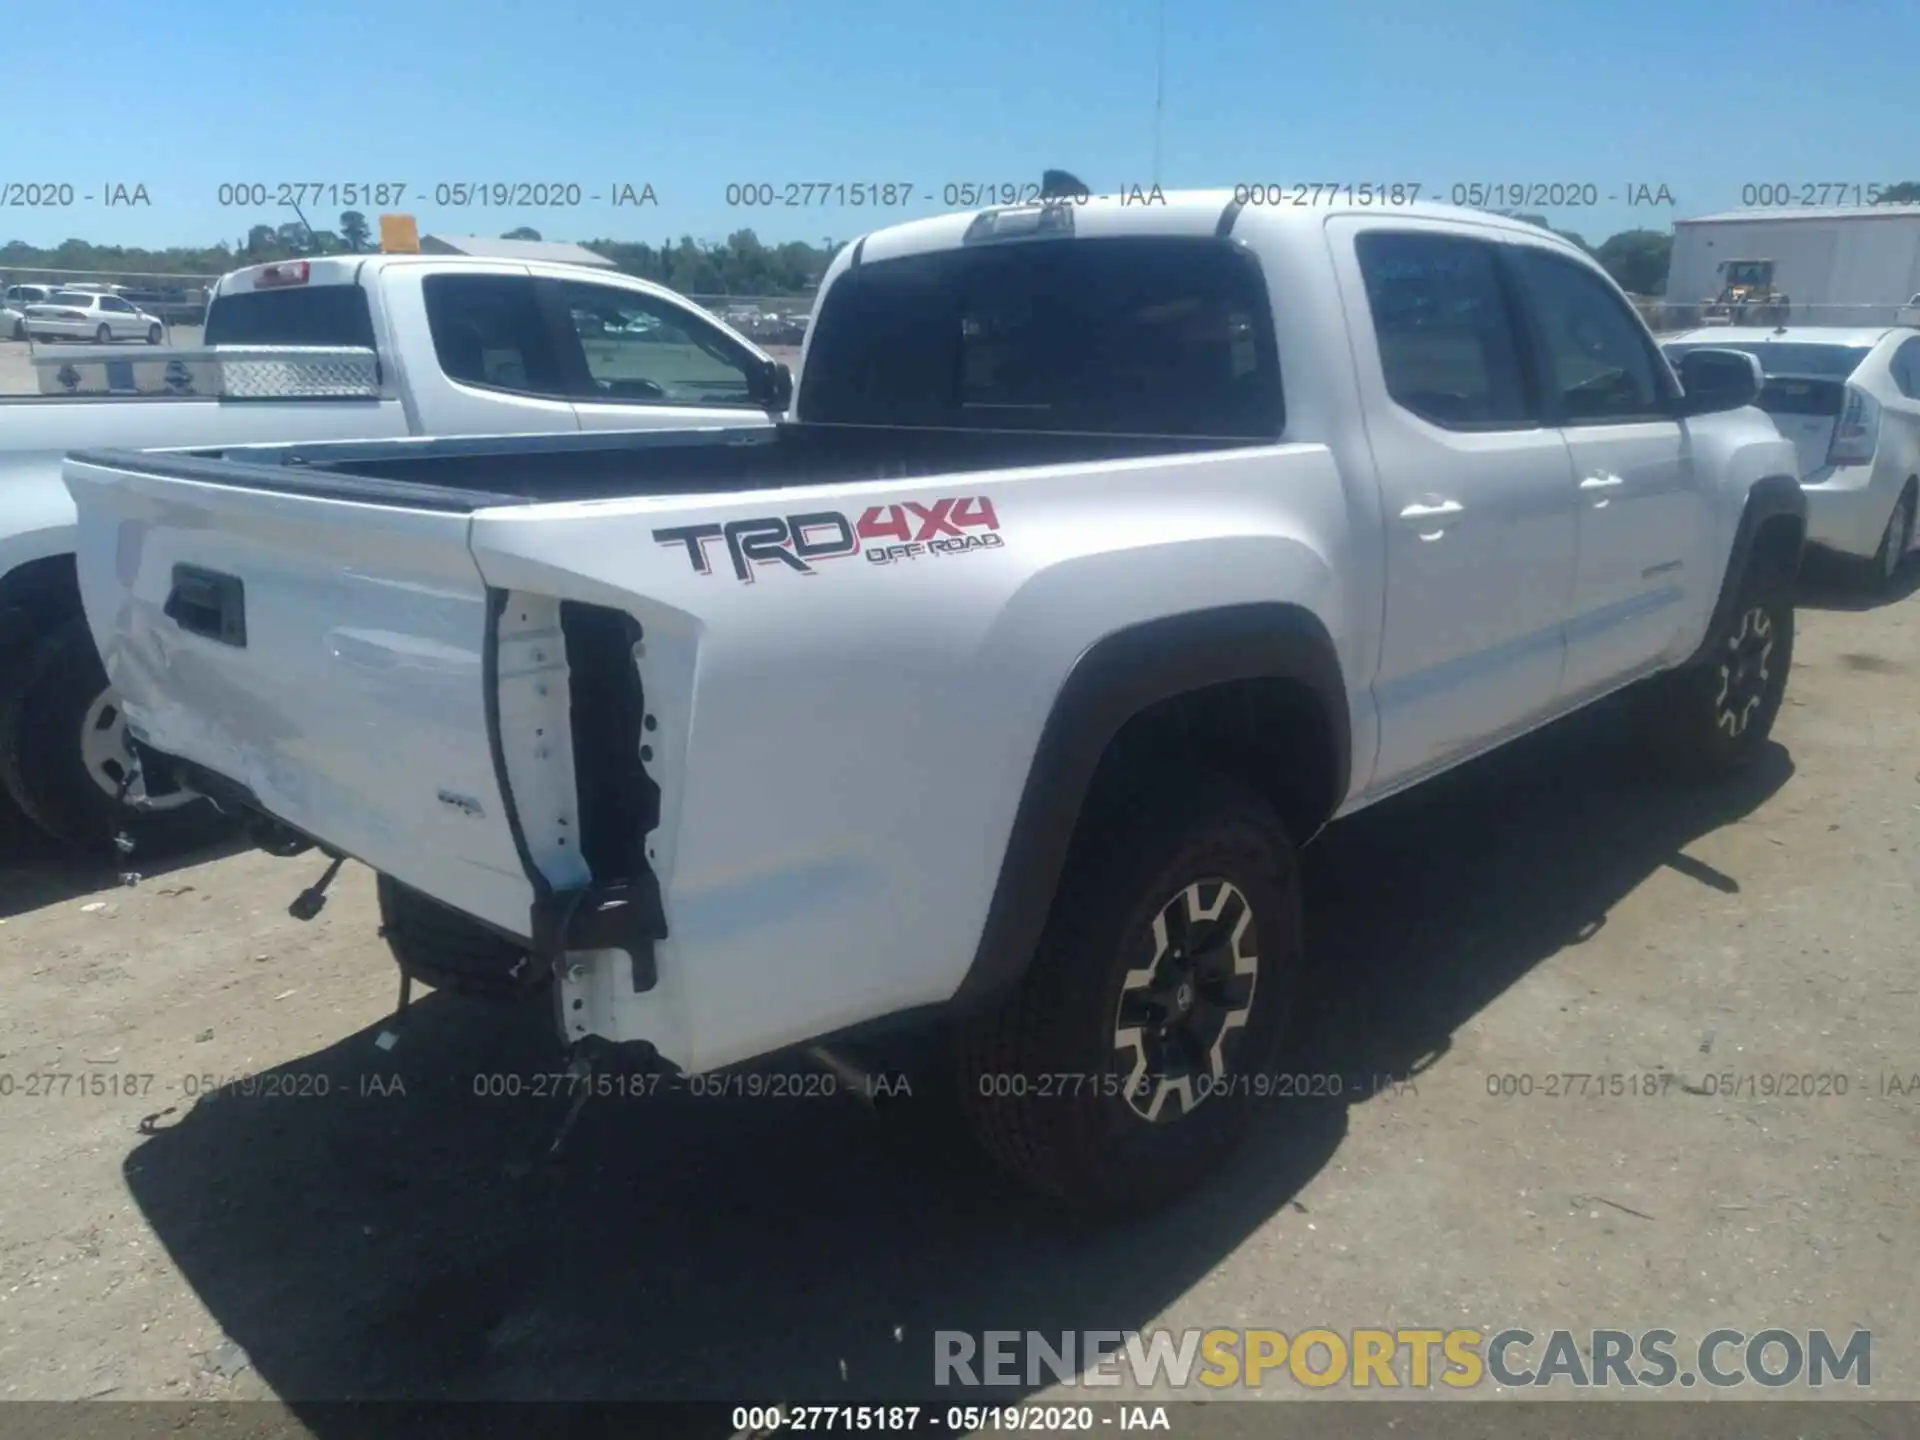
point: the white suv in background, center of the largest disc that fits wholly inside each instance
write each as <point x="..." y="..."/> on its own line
<point x="1849" y="399"/>
<point x="13" y="308"/>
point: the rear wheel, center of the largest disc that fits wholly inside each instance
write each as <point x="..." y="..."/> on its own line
<point x="1120" y="1071"/>
<point x="65" y="760"/>
<point x="103" y="336"/>
<point x="20" y="329"/>
<point x="443" y="948"/>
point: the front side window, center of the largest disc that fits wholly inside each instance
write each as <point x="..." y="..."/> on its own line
<point x="640" y="348"/>
<point x="1597" y="356"/>
<point x="1448" y="349"/>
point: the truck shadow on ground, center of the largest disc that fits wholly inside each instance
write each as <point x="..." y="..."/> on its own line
<point x="1827" y="584"/>
<point x="36" y="870"/>
<point x="363" y="1243"/>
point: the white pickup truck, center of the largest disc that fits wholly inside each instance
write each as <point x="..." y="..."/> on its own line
<point x="1112" y="552"/>
<point x="449" y="346"/>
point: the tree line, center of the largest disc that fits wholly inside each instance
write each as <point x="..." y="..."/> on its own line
<point x="740" y="265"/>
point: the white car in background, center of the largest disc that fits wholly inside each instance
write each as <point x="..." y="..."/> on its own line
<point x="13" y="308"/>
<point x="88" y="315"/>
<point x="1849" y="399"/>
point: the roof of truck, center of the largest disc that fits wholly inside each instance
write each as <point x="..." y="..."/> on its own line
<point x="562" y="252"/>
<point x="1149" y="211"/>
<point x="347" y="269"/>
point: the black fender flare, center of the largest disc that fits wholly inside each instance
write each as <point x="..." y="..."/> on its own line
<point x="1113" y="680"/>
<point x="1770" y="498"/>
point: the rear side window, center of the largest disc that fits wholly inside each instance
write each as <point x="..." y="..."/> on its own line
<point x="1448" y="349"/>
<point x="1906" y="369"/>
<point x="1138" y="336"/>
<point x="490" y="330"/>
<point x="296" y="315"/>
<point x="1799" y="395"/>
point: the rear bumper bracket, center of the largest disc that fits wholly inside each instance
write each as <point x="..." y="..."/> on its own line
<point x="623" y="915"/>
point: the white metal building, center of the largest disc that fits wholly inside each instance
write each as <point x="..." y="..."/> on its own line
<point x="1848" y="265"/>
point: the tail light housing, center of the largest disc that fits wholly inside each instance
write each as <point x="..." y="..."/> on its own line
<point x="1857" y="432"/>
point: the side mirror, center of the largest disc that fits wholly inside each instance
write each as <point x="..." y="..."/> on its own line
<point x="1716" y="380"/>
<point x="773" y="386"/>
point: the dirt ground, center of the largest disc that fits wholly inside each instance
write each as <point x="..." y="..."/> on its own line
<point x="375" y="1228"/>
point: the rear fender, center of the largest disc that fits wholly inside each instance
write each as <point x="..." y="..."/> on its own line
<point x="1117" y="678"/>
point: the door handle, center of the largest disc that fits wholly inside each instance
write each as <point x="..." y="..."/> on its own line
<point x="1439" y="510"/>
<point x="209" y="603"/>
<point x="1602" y="482"/>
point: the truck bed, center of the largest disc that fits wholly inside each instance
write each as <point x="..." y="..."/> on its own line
<point x="477" y="473"/>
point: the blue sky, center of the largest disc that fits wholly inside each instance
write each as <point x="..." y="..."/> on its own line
<point x="693" y="97"/>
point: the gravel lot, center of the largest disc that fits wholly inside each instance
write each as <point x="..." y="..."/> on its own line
<point x="1553" y="909"/>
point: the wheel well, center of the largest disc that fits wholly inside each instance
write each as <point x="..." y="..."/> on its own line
<point x="1776" y="547"/>
<point x="1273" y="735"/>
<point x="35" y="597"/>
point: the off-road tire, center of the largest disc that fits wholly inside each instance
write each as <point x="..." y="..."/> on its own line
<point x="45" y="697"/>
<point x="1040" y="1070"/>
<point x="444" y="949"/>
<point x="1713" y="719"/>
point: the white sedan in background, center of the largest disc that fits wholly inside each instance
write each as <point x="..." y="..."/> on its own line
<point x="1849" y="399"/>
<point x="88" y="315"/>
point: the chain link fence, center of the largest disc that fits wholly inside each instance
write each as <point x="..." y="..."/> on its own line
<point x="1666" y="317"/>
<point x="774" y="321"/>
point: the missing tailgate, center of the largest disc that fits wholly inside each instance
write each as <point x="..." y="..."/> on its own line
<point x="619" y="802"/>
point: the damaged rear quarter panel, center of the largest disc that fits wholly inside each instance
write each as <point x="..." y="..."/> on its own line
<point x="841" y="749"/>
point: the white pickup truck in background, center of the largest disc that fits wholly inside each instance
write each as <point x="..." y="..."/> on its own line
<point x="1111" y="552"/>
<point x="444" y="345"/>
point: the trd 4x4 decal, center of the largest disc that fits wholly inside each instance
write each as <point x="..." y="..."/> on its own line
<point x="910" y="530"/>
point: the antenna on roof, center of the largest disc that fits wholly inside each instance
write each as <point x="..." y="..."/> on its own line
<point x="1061" y="185"/>
<point x="313" y="240"/>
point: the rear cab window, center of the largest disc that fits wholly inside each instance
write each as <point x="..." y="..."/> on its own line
<point x="334" y="315"/>
<point x="1162" y="335"/>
